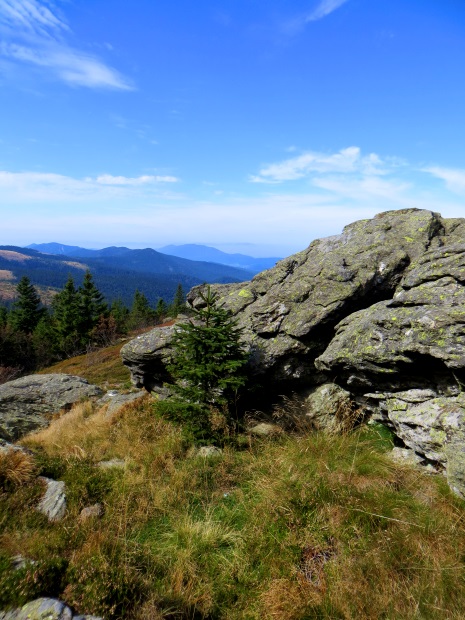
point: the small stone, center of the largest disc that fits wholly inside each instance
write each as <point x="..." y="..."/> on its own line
<point x="19" y="561"/>
<point x="265" y="430"/>
<point x="91" y="512"/>
<point x="209" y="451"/>
<point x="53" y="504"/>
<point x="111" y="463"/>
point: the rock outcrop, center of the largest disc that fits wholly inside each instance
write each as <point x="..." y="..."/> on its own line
<point x="25" y="403"/>
<point x="379" y="310"/>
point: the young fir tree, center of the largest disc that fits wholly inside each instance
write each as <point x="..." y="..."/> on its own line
<point x="209" y="358"/>
<point x="27" y="309"/>
<point x="92" y="307"/>
<point x="120" y="314"/>
<point x="66" y="318"/>
<point x="141" y="313"/>
<point x="161" y="310"/>
<point x="179" y="302"/>
<point x="45" y="342"/>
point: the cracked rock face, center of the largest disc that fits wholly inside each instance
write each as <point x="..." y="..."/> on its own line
<point x="378" y="309"/>
<point x="26" y="402"/>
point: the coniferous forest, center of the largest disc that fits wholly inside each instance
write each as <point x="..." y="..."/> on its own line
<point x="34" y="335"/>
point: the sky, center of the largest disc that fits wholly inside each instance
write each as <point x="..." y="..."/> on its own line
<point x="247" y="125"/>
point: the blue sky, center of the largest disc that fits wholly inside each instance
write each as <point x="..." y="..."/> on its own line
<point x="252" y="126"/>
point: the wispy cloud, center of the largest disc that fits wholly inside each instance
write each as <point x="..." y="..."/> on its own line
<point x="108" y="179"/>
<point x="40" y="187"/>
<point x="30" y="15"/>
<point x="323" y="9"/>
<point x="346" y="160"/>
<point x="454" y="178"/>
<point x="34" y="34"/>
<point x="350" y="179"/>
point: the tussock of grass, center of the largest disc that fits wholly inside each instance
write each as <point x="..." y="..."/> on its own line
<point x="16" y="468"/>
<point x="297" y="527"/>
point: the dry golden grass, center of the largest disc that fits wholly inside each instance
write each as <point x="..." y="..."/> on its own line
<point x="78" y="432"/>
<point x="16" y="467"/>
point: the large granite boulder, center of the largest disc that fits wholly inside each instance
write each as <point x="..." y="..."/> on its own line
<point x="289" y="312"/>
<point x="26" y="403"/>
<point x="379" y="310"/>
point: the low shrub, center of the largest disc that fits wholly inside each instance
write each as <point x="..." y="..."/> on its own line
<point x="35" y="579"/>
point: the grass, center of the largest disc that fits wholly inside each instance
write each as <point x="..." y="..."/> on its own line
<point x="295" y="527"/>
<point x="102" y="367"/>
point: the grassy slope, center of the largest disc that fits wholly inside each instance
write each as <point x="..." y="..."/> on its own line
<point x="103" y="367"/>
<point x="297" y="527"/>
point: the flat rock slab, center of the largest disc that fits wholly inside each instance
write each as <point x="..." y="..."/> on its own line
<point x="26" y="403"/>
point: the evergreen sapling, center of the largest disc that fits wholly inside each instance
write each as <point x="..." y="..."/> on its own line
<point x="209" y="359"/>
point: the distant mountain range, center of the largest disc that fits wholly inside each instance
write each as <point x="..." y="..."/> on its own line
<point x="193" y="251"/>
<point x="117" y="271"/>
<point x="190" y="251"/>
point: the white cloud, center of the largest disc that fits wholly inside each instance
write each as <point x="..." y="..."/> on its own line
<point x="31" y="16"/>
<point x="39" y="187"/>
<point x="33" y="35"/>
<point x="108" y="179"/>
<point x="454" y="178"/>
<point x="323" y="9"/>
<point x="346" y="160"/>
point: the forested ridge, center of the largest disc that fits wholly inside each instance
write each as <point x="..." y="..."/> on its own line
<point x="116" y="276"/>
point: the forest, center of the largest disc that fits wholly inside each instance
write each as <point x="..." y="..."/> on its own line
<point x="79" y="319"/>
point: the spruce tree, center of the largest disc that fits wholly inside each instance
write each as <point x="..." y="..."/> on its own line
<point x="91" y="305"/>
<point x="27" y="309"/>
<point x="179" y="302"/>
<point x="161" y="310"/>
<point x="66" y="318"/>
<point x="45" y="342"/>
<point x="120" y="314"/>
<point x="141" y="313"/>
<point x="209" y="359"/>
